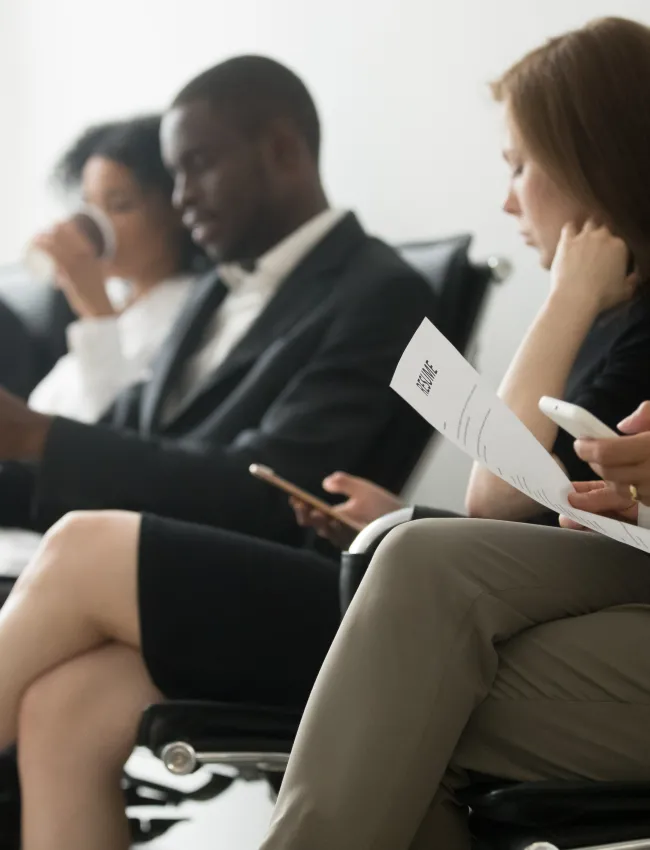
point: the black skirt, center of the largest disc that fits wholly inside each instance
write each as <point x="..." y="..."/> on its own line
<point x="224" y="616"/>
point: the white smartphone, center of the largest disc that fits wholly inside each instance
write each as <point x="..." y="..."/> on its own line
<point x="575" y="420"/>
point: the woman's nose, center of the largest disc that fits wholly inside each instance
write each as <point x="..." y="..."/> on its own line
<point x="511" y="205"/>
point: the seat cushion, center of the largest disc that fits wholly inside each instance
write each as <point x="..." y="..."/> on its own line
<point x="218" y="726"/>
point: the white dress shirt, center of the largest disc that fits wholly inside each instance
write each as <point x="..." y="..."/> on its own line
<point x="108" y="354"/>
<point x="248" y="295"/>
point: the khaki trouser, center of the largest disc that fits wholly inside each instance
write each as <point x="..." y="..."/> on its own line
<point x="518" y="651"/>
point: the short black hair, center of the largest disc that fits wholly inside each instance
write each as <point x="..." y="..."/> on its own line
<point x="257" y="90"/>
<point x="135" y="144"/>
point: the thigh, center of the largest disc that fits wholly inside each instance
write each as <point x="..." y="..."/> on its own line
<point x="227" y="616"/>
<point x="533" y="573"/>
<point x="571" y="700"/>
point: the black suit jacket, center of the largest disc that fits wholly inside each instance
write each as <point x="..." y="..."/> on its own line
<point x="306" y="391"/>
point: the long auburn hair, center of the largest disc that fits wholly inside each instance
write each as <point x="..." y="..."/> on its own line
<point x="581" y="103"/>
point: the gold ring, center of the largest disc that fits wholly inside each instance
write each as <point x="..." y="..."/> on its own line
<point x="634" y="493"/>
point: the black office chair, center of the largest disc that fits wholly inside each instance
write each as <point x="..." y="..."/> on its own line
<point x="257" y="741"/>
<point x="44" y="316"/>
<point x="503" y="815"/>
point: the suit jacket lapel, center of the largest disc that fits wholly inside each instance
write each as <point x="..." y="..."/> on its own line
<point x="304" y="288"/>
<point x="184" y="340"/>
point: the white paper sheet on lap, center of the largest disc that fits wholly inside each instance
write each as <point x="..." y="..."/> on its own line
<point x="437" y="381"/>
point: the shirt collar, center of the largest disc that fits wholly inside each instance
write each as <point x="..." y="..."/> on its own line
<point x="282" y="259"/>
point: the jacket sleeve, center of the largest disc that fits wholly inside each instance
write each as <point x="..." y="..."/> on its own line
<point x="330" y="411"/>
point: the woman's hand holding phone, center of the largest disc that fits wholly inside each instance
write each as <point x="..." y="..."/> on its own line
<point x="622" y="463"/>
<point x="366" y="502"/>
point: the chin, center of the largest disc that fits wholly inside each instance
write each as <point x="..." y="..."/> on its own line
<point x="545" y="258"/>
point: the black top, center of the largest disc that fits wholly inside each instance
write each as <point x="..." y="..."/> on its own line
<point x="611" y="375"/>
<point x="610" y="378"/>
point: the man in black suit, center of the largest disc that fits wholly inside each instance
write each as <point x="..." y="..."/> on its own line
<point x="283" y="356"/>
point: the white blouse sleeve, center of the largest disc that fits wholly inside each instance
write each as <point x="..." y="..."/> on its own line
<point x="85" y="382"/>
<point x="108" y="354"/>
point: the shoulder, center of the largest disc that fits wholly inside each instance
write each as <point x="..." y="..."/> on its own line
<point x="378" y="270"/>
<point x="630" y="323"/>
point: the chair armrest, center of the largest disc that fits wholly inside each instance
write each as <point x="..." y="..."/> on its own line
<point x="356" y="560"/>
<point x="370" y="537"/>
<point x="557" y="801"/>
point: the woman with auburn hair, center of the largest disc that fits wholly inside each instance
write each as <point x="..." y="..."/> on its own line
<point x="503" y="648"/>
<point x="576" y="124"/>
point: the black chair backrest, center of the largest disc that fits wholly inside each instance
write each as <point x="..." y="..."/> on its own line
<point x="44" y="315"/>
<point x="461" y="288"/>
<point x="461" y="285"/>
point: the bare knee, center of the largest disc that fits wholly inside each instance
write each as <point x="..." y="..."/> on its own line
<point x="77" y="540"/>
<point x="83" y="530"/>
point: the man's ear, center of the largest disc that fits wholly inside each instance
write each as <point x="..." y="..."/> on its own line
<point x="284" y="146"/>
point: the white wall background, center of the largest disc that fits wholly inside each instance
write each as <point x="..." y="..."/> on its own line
<point x="411" y="137"/>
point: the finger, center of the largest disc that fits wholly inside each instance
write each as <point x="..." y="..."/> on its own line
<point x="331" y="530"/>
<point x="320" y="523"/>
<point x="62" y="257"/>
<point x="59" y="248"/>
<point x="300" y="509"/>
<point x="340" y="482"/>
<point x="66" y="239"/>
<point x="637" y="474"/>
<point x="606" y="500"/>
<point x="567" y="522"/>
<point x="569" y="231"/>
<point x="75" y="239"/>
<point x="590" y="225"/>
<point x="624" y="493"/>
<point x="587" y="486"/>
<point x="615" y="452"/>
<point x="638" y="421"/>
<point x="642" y="493"/>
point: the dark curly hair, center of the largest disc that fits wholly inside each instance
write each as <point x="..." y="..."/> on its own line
<point x="135" y="144"/>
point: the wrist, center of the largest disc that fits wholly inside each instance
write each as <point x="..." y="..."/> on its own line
<point x="35" y="437"/>
<point x="573" y="302"/>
